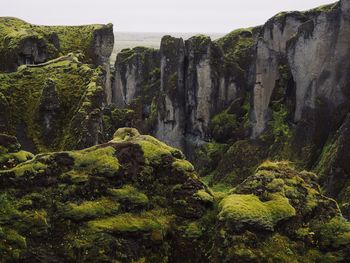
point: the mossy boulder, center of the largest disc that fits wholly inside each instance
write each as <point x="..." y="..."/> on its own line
<point x="123" y="200"/>
<point x="279" y="215"/>
<point x="11" y="153"/>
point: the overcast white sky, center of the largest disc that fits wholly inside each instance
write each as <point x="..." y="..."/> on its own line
<point x="155" y="15"/>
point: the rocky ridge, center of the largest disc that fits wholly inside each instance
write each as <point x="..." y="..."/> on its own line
<point x="263" y="92"/>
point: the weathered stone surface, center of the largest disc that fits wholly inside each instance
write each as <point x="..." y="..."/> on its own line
<point x="172" y="119"/>
<point x="133" y="73"/>
<point x="270" y="55"/>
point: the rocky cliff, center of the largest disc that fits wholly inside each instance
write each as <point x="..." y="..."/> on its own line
<point x="275" y="91"/>
<point x="254" y="111"/>
<point x="53" y="82"/>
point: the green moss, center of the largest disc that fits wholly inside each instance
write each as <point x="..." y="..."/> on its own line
<point x="193" y="230"/>
<point x="71" y="38"/>
<point x="204" y="196"/>
<point x="23" y="91"/>
<point x="130" y="194"/>
<point x="237" y="46"/>
<point x="322" y="9"/>
<point x="183" y="165"/>
<point x="146" y="222"/>
<point x="30" y="167"/>
<point x="280" y="127"/>
<point x="8" y="160"/>
<point x="241" y="210"/>
<point x="223" y="126"/>
<point x="153" y="149"/>
<point x="334" y="234"/>
<point x="124" y="134"/>
<point x="90" y="209"/>
<point x="12" y="244"/>
<point x="94" y="160"/>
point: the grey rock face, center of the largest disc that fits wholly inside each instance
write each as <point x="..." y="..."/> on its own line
<point x="172" y="120"/>
<point x="32" y="51"/>
<point x="318" y="56"/>
<point x="102" y="44"/>
<point x="203" y="82"/>
<point x="133" y="70"/>
<point x="270" y="51"/>
<point x="100" y="51"/>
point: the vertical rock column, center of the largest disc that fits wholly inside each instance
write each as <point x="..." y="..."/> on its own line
<point x="270" y="52"/>
<point x="171" y="108"/>
<point x="202" y="86"/>
<point x="100" y="51"/>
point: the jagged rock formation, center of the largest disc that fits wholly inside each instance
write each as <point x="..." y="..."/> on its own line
<point x="11" y="153"/>
<point x="22" y="43"/>
<point x="134" y="73"/>
<point x="53" y="99"/>
<point x="52" y="104"/>
<point x="269" y="89"/>
<point x="136" y="199"/>
<point x="277" y="91"/>
<point x="171" y="105"/>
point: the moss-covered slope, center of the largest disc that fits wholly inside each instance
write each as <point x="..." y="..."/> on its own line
<point x="49" y="106"/>
<point x="24" y="43"/>
<point x="137" y="199"/>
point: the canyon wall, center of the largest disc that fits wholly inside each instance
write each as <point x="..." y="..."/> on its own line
<point x="281" y="88"/>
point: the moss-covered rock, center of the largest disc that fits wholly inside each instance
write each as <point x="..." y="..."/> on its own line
<point x="131" y="194"/>
<point x="56" y="105"/>
<point x="11" y="153"/>
<point x="24" y="43"/>
<point x="279" y="215"/>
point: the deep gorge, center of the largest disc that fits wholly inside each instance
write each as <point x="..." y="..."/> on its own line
<point x="232" y="150"/>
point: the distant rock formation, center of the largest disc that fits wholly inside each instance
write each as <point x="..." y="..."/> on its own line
<point x="281" y="86"/>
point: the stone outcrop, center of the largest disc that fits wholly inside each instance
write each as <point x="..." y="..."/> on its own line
<point x="172" y="119"/>
<point x="281" y="89"/>
<point x="22" y="43"/>
<point x="271" y="49"/>
<point x="130" y="199"/>
<point x="54" y="105"/>
<point x="134" y="69"/>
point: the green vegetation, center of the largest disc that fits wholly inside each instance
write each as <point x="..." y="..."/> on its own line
<point x="242" y="210"/>
<point x="223" y="126"/>
<point x="130" y="194"/>
<point x="23" y="91"/>
<point x="90" y="209"/>
<point x="237" y="47"/>
<point x="14" y="31"/>
<point x="93" y="161"/>
<point x="146" y="222"/>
